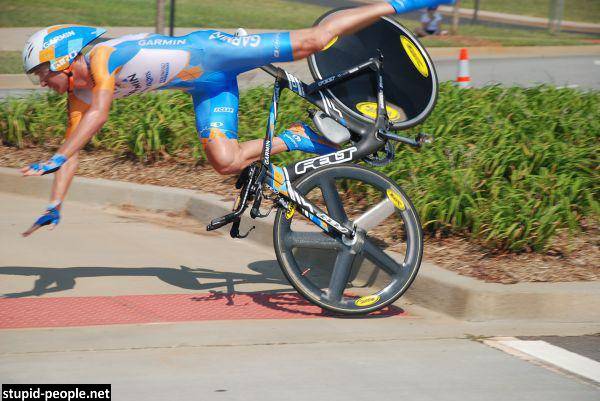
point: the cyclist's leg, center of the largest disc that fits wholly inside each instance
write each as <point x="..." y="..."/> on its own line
<point x="308" y="41"/>
<point x="216" y="122"/>
<point x="253" y="51"/>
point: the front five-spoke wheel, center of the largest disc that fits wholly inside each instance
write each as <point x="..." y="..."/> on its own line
<point x="359" y="275"/>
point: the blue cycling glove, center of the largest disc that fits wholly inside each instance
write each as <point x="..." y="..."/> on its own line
<point x="51" y="217"/>
<point x="51" y="165"/>
<point x="405" y="6"/>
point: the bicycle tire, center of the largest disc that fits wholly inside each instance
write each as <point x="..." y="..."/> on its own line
<point x="342" y="295"/>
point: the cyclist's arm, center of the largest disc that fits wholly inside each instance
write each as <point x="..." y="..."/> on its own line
<point x="64" y="176"/>
<point x="97" y="114"/>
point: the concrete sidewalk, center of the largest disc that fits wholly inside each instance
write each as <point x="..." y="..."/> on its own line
<point x="434" y="288"/>
<point x="515" y="19"/>
<point x="525" y="20"/>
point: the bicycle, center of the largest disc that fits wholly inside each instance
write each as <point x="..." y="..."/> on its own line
<point x="339" y="262"/>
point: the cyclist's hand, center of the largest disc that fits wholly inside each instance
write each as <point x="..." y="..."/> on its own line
<point x="50" y="218"/>
<point x="404" y="6"/>
<point x="47" y="167"/>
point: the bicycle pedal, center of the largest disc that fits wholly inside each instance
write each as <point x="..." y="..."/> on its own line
<point x="424" y="139"/>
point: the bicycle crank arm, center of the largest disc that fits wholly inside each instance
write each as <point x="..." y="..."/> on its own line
<point x="420" y="140"/>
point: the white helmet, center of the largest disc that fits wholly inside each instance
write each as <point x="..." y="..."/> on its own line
<point x="58" y="45"/>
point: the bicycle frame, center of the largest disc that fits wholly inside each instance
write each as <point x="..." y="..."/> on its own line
<point x="370" y="141"/>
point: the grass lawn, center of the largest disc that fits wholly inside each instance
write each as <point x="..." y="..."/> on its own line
<point x="575" y="10"/>
<point x="267" y="14"/>
<point x="11" y="63"/>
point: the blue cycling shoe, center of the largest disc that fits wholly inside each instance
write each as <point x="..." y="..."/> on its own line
<point x="301" y="137"/>
<point x="405" y="6"/>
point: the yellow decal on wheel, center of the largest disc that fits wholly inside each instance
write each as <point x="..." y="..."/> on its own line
<point x="331" y="43"/>
<point x="415" y="55"/>
<point x="367" y="301"/>
<point x="396" y="199"/>
<point x="290" y="212"/>
<point x="369" y="109"/>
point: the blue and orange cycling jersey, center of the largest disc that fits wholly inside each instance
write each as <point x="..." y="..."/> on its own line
<point x="204" y="63"/>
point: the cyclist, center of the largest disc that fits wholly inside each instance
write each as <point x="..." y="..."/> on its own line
<point x="204" y="63"/>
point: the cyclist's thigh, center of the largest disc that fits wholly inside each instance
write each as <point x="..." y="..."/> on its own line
<point x="239" y="54"/>
<point x="216" y="112"/>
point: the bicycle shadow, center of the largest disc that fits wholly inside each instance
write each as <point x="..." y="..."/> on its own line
<point x="219" y="284"/>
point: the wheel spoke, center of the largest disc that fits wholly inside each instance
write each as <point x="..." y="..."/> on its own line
<point x="381" y="259"/>
<point x="306" y="239"/>
<point x="340" y="275"/>
<point x="335" y="207"/>
<point x="375" y="215"/>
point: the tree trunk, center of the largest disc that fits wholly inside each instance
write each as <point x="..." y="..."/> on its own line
<point x="476" y="11"/>
<point x="455" y="17"/>
<point x="160" y="17"/>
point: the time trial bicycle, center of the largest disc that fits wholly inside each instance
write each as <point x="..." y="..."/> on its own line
<point x="346" y="236"/>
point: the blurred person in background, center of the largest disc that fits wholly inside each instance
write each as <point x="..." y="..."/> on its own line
<point x="431" y="23"/>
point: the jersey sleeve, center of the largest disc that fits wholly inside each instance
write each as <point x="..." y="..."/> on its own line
<point x="99" y="67"/>
<point x="76" y="109"/>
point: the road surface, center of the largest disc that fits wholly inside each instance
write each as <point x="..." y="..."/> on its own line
<point x="167" y="324"/>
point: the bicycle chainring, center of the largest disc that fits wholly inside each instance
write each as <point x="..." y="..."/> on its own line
<point x="383" y="156"/>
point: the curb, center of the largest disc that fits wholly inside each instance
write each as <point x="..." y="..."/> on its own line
<point x="470" y="299"/>
<point x="434" y="288"/>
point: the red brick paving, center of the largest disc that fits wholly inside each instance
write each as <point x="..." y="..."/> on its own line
<point x="131" y="309"/>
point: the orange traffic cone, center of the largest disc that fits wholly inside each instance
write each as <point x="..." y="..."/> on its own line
<point x="464" y="78"/>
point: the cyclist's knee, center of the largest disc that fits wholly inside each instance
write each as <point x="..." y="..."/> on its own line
<point x="223" y="155"/>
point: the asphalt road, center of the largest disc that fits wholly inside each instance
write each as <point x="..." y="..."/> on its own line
<point x="576" y="72"/>
<point x="582" y="72"/>
<point x="100" y="255"/>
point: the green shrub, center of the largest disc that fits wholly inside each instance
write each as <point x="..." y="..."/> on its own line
<point x="509" y="167"/>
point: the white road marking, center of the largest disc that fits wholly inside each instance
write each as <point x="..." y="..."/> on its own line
<point x="597" y="62"/>
<point x="550" y="354"/>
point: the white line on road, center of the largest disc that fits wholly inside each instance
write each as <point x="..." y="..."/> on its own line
<point x="548" y="353"/>
<point x="597" y="62"/>
<point x="572" y="86"/>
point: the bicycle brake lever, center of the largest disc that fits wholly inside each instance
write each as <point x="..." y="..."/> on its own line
<point x="235" y="230"/>
<point x="255" y="211"/>
<point x="221" y="221"/>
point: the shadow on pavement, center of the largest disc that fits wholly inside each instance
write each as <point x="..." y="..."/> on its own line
<point x="61" y="279"/>
<point x="52" y="280"/>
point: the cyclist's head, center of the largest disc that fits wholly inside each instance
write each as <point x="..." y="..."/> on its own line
<point x="432" y="8"/>
<point x="53" y="49"/>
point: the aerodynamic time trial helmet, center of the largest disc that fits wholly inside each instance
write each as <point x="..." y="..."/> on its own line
<point x="57" y="45"/>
